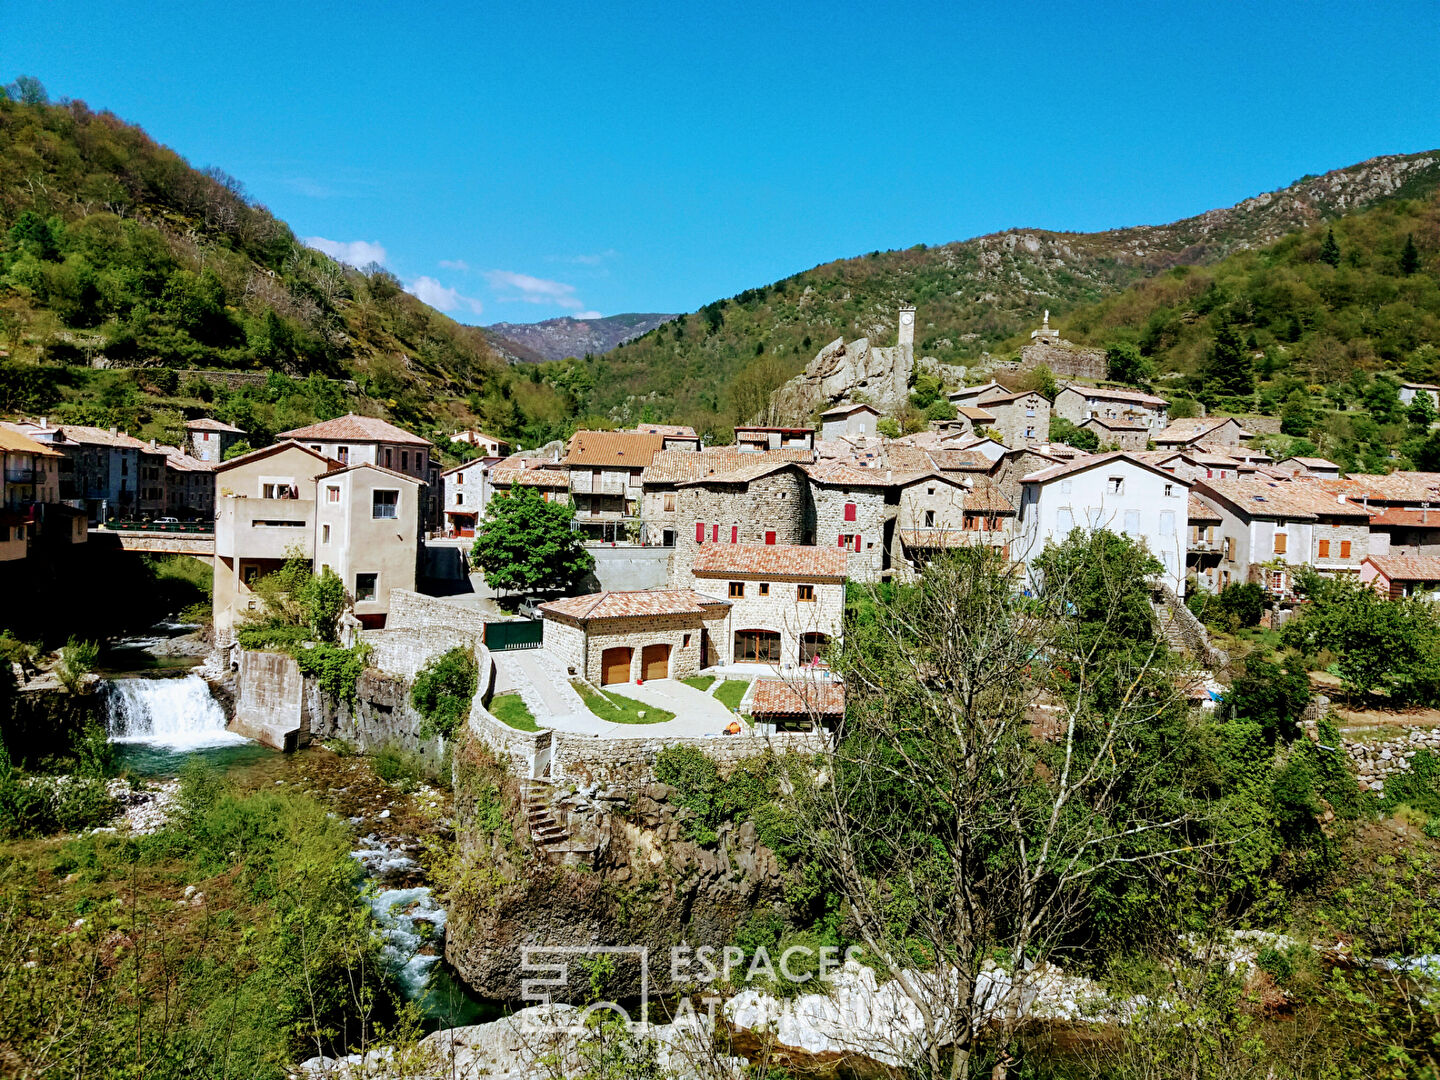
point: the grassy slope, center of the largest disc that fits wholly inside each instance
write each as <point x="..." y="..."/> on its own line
<point x="717" y="365"/>
<point x="114" y="251"/>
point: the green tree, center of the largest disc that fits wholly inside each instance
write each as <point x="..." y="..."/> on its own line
<point x="1296" y="418"/>
<point x="1124" y="363"/>
<point x="1329" y="248"/>
<point x="1272" y="696"/>
<point x="322" y="601"/>
<point x="1064" y="431"/>
<point x="28" y="90"/>
<point x="526" y="543"/>
<point x="1409" y="256"/>
<point x="1421" y="411"/>
<point x="1230" y="369"/>
<point x="443" y="691"/>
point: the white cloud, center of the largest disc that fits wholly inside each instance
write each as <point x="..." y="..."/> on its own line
<point x="354" y="252"/>
<point x="454" y="264"/>
<point x="588" y="315"/>
<point x="586" y="260"/>
<point x="534" y="290"/>
<point x="443" y="297"/>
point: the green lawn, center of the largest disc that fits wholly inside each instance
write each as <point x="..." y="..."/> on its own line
<point x="730" y="693"/>
<point x="620" y="709"/>
<point x="699" y="682"/>
<point x="510" y="709"/>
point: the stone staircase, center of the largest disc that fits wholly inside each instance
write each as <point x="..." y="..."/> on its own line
<point x="548" y="828"/>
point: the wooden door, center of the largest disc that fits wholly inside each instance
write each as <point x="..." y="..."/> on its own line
<point x="655" y="661"/>
<point x="615" y="665"/>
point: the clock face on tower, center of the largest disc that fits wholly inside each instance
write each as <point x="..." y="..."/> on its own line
<point x="907" y="318"/>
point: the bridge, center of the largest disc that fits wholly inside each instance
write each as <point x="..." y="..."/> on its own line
<point x="158" y="539"/>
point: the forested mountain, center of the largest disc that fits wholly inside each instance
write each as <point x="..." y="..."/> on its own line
<point x="122" y="267"/>
<point x="973" y="296"/>
<point x="556" y="339"/>
<point x="1318" y="328"/>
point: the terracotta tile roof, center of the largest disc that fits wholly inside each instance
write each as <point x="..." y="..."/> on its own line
<point x="971" y="413"/>
<point x="1135" y="397"/>
<point x="975" y="391"/>
<point x="674" y="466"/>
<point x="206" y="423"/>
<point x="1202" y="513"/>
<point x="846" y="410"/>
<point x="799" y="561"/>
<point x="630" y="449"/>
<point x="1044" y="476"/>
<point x="1194" y="429"/>
<point x="742" y="473"/>
<point x="1407" y="567"/>
<point x="355" y="428"/>
<point x="1404" y="516"/>
<point x="1279" y="499"/>
<point x="1114" y="425"/>
<point x="985" y="497"/>
<point x="798" y="697"/>
<point x="1312" y="462"/>
<point x="13" y="442"/>
<point x="674" y="431"/>
<point x="632" y="605"/>
<point x="342" y="468"/>
<point x="94" y="436"/>
<point x="1011" y="395"/>
<point x="528" y="472"/>
<point x="847" y="475"/>
<point x="1398" y="487"/>
<point x="177" y="459"/>
<point x="323" y="463"/>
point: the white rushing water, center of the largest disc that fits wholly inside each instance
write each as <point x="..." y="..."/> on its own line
<point x="178" y="714"/>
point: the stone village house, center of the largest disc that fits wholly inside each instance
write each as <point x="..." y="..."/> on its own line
<point x="605" y="470"/>
<point x="616" y="637"/>
<point x="1079" y="403"/>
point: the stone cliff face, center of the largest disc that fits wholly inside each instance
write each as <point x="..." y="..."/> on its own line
<point x="839" y="373"/>
<point x="649" y="886"/>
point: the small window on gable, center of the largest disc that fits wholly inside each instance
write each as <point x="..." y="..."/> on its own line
<point x="1169" y="490"/>
<point x="764" y="588"/>
<point x="385" y="504"/>
<point x="1116" y="485"/>
<point x="332" y="493"/>
<point x="805" y="593"/>
<point x="737" y="589"/>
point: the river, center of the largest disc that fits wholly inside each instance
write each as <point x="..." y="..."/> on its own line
<point x="164" y="715"/>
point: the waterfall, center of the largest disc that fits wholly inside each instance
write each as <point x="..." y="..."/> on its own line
<point x="178" y="714"/>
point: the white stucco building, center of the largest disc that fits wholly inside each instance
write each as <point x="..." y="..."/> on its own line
<point x="1109" y="491"/>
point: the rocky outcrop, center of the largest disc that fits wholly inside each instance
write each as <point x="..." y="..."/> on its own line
<point x="644" y="884"/>
<point x="1065" y="360"/>
<point x="845" y="372"/>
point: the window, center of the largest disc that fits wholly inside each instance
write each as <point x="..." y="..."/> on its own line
<point x="1324" y="546"/>
<point x="811" y="646"/>
<point x="365" y="586"/>
<point x="737" y="590"/>
<point x="1064" y="520"/>
<point x="1167" y="522"/>
<point x="845" y="540"/>
<point x="769" y="538"/>
<point x="315" y="447"/>
<point x="1116" y="485"/>
<point x="685" y="644"/>
<point x="389" y="457"/>
<point x="459" y="479"/>
<point x="1132" y="522"/>
<point x="404" y="460"/>
<point x="764" y="588"/>
<point x="1230" y="548"/>
<point x="385" y="504"/>
<point x="805" y="593"/>
<point x="1029" y="433"/>
<point x="669" y="501"/>
<point x="1344" y="549"/>
<point x="757" y="647"/>
<point x="1065" y="486"/>
<point x="344" y="455"/>
<point x="324" y="534"/>
<point x="332" y="493"/>
<point x="699" y="532"/>
<point x="1281" y="540"/>
<point x="267" y="491"/>
<point x="734" y="534"/>
<point x="929" y="519"/>
<point x="1169" y="490"/>
<point x="849" y="511"/>
<point x="459" y="497"/>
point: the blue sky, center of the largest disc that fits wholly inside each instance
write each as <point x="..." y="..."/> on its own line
<point x="516" y="162"/>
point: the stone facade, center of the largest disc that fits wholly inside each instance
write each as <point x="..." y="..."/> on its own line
<point x="767" y="509"/>
<point x="584" y="647"/>
<point x="773" y="606"/>
<point x="863" y="514"/>
<point x="1064" y="360"/>
<point x="1078" y="403"/>
<point x="1020" y="419"/>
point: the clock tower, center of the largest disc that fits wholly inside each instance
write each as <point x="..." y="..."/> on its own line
<point x="907" y="325"/>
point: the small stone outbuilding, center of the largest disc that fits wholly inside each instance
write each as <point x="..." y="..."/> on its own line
<point x="618" y="637"/>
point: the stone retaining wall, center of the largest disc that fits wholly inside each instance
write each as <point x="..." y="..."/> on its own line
<point x="587" y="759"/>
<point x="1374" y="763"/>
<point x="380" y="716"/>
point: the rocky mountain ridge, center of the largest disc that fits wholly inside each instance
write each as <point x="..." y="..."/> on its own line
<point x="556" y="339"/>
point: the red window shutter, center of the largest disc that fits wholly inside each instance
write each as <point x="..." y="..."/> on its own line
<point x="699" y="532"/>
<point x="840" y="540"/>
<point x="734" y="534"/>
<point x="769" y="538"/>
<point x="714" y="534"/>
<point x="1344" y="549"/>
<point x="849" y="511"/>
<point x="857" y="541"/>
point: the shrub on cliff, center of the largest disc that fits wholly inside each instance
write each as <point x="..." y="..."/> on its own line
<point x="443" y="691"/>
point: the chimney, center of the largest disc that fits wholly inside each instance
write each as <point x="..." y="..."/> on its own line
<point x="114" y="431"/>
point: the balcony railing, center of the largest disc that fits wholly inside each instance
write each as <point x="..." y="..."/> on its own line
<point x="20" y="476"/>
<point x="581" y="485"/>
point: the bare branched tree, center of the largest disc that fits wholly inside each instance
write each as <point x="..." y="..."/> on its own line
<point x="1003" y="756"/>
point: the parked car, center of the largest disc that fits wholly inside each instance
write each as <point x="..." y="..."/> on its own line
<point x="529" y="609"/>
<point x="167" y="521"/>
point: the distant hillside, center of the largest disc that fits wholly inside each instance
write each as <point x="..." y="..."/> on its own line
<point x="973" y="296"/>
<point x="122" y="266"/>
<point x="557" y="339"/>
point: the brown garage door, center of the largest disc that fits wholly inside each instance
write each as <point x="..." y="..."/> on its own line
<point x="655" y="661"/>
<point x="615" y="665"/>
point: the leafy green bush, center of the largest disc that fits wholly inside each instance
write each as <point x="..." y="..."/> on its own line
<point x="77" y="659"/>
<point x="269" y="635"/>
<point x="40" y="805"/>
<point x="335" y="670"/>
<point x="443" y="691"/>
<point x="403" y="768"/>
